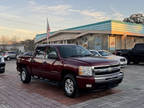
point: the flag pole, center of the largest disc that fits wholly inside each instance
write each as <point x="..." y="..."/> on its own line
<point x="47" y="30"/>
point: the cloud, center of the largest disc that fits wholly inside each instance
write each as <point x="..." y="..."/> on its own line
<point x="95" y="14"/>
<point x="61" y="9"/>
<point x="3" y="8"/>
<point x="21" y="34"/>
<point x="25" y="22"/>
<point x="99" y="15"/>
<point x="116" y="14"/>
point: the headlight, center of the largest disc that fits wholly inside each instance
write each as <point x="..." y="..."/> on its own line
<point x="85" y="70"/>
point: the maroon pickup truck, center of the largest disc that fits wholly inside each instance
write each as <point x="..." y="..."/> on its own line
<point x="72" y="65"/>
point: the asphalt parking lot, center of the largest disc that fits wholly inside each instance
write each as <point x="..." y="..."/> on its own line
<point x="45" y="94"/>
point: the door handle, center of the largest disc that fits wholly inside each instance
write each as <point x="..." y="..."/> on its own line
<point x="44" y="62"/>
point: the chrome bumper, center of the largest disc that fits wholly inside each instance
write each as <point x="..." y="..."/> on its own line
<point x="108" y="77"/>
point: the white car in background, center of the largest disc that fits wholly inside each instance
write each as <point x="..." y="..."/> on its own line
<point x="109" y="55"/>
<point x="9" y="55"/>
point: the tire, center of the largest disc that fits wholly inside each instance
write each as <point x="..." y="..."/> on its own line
<point x="8" y="58"/>
<point x="2" y="72"/>
<point x="70" y="86"/>
<point x="25" y="76"/>
<point x="128" y="60"/>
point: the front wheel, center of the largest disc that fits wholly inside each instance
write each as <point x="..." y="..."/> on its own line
<point x="25" y="76"/>
<point x="128" y="60"/>
<point x="70" y="86"/>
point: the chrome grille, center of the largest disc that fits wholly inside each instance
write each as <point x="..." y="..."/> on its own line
<point x="106" y="70"/>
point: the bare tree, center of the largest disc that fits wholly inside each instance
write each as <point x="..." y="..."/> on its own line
<point x="29" y="45"/>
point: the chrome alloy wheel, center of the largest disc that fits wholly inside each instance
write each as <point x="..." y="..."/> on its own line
<point x="23" y="75"/>
<point x="69" y="86"/>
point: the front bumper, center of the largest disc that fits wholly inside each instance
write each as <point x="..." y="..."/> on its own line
<point x="108" y="77"/>
<point x="123" y="64"/>
<point x="100" y="80"/>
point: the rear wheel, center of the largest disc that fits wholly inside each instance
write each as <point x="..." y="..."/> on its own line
<point x="25" y="76"/>
<point x="70" y="86"/>
<point x="2" y="71"/>
<point x="128" y="60"/>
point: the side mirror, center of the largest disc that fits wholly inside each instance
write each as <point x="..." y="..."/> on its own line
<point x="37" y="52"/>
<point x="52" y="56"/>
<point x="95" y="54"/>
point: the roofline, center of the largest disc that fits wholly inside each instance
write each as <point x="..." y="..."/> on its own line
<point x="107" y="21"/>
<point x="42" y="45"/>
<point x="126" y="22"/>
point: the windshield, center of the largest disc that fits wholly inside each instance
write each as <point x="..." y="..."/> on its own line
<point x="105" y="53"/>
<point x="73" y="51"/>
<point x="95" y="53"/>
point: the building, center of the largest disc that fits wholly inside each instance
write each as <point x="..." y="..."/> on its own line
<point x="107" y="35"/>
<point x="12" y="47"/>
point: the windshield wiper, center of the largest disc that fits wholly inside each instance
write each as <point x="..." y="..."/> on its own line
<point x="87" y="55"/>
<point x="76" y="56"/>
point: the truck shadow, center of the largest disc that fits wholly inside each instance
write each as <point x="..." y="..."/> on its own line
<point x="140" y="64"/>
<point x="50" y="90"/>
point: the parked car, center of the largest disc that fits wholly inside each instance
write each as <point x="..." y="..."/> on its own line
<point x="10" y="55"/>
<point x="71" y="65"/>
<point x="2" y="64"/>
<point x="109" y="55"/>
<point x="134" y="55"/>
<point x="28" y="54"/>
<point x="25" y="54"/>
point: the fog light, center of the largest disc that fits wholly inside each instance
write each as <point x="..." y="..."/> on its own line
<point x="88" y="85"/>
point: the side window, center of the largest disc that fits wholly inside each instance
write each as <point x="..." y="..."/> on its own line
<point x="51" y="53"/>
<point x="40" y="53"/>
<point x="139" y="47"/>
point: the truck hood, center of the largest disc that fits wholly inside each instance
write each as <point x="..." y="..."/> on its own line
<point x="92" y="61"/>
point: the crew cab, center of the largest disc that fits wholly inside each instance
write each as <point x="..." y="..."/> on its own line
<point x="72" y="65"/>
<point x="134" y="55"/>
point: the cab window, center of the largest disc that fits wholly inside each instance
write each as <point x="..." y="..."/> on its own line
<point x="51" y="53"/>
<point x="40" y="52"/>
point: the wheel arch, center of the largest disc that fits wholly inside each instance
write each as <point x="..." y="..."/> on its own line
<point x="67" y="71"/>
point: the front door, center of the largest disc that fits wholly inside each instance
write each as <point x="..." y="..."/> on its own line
<point x="52" y="64"/>
<point x="37" y="61"/>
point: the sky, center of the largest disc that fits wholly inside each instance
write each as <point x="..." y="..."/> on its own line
<point x="23" y="19"/>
